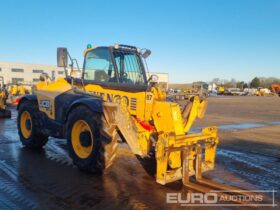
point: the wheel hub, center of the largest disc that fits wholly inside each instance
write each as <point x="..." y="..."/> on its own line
<point x="28" y="124"/>
<point x="82" y="139"/>
<point x="85" y="138"/>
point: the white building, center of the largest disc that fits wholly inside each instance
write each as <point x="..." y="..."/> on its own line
<point x="30" y="73"/>
<point x="27" y="73"/>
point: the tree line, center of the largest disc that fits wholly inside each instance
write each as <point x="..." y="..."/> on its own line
<point x="256" y="82"/>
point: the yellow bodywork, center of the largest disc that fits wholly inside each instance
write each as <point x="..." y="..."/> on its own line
<point x="168" y="131"/>
<point x="16" y="90"/>
<point x="47" y="93"/>
<point x="221" y="89"/>
<point x="3" y="97"/>
<point x="2" y="101"/>
<point x="4" y="113"/>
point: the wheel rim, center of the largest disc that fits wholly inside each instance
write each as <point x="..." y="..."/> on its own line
<point x="26" y="124"/>
<point x="82" y="149"/>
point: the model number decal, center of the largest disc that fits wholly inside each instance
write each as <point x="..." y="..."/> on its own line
<point x="131" y="102"/>
<point x="149" y="97"/>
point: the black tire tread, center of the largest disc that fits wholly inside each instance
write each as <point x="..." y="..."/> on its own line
<point x="37" y="138"/>
<point x="106" y="136"/>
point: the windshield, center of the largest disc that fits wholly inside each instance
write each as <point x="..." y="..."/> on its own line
<point x="98" y="66"/>
<point x="129" y="67"/>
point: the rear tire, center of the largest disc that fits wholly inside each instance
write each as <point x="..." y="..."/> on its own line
<point x="91" y="141"/>
<point x="29" y="126"/>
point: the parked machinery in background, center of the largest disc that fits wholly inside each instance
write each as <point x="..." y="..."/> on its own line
<point x="263" y="92"/>
<point x="220" y="90"/>
<point x="275" y="88"/>
<point x="188" y="91"/>
<point x="4" y="112"/>
<point x="16" y="91"/>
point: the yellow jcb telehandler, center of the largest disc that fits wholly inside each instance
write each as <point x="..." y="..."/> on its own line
<point x="111" y="98"/>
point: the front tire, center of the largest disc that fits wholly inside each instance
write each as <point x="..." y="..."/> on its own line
<point x="92" y="143"/>
<point x="29" y="126"/>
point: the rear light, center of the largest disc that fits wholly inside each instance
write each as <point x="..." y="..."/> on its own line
<point x="17" y="101"/>
<point x="145" y="125"/>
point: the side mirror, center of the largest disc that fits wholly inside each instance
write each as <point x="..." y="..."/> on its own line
<point x="62" y="57"/>
<point x="147" y="53"/>
<point x="153" y="78"/>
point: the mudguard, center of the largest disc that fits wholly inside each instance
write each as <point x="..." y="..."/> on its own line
<point x="29" y="97"/>
<point x="94" y="104"/>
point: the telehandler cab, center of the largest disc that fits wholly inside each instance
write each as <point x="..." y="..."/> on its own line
<point x="111" y="98"/>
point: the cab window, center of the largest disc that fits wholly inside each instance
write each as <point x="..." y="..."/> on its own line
<point x="129" y="67"/>
<point x="98" y="66"/>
